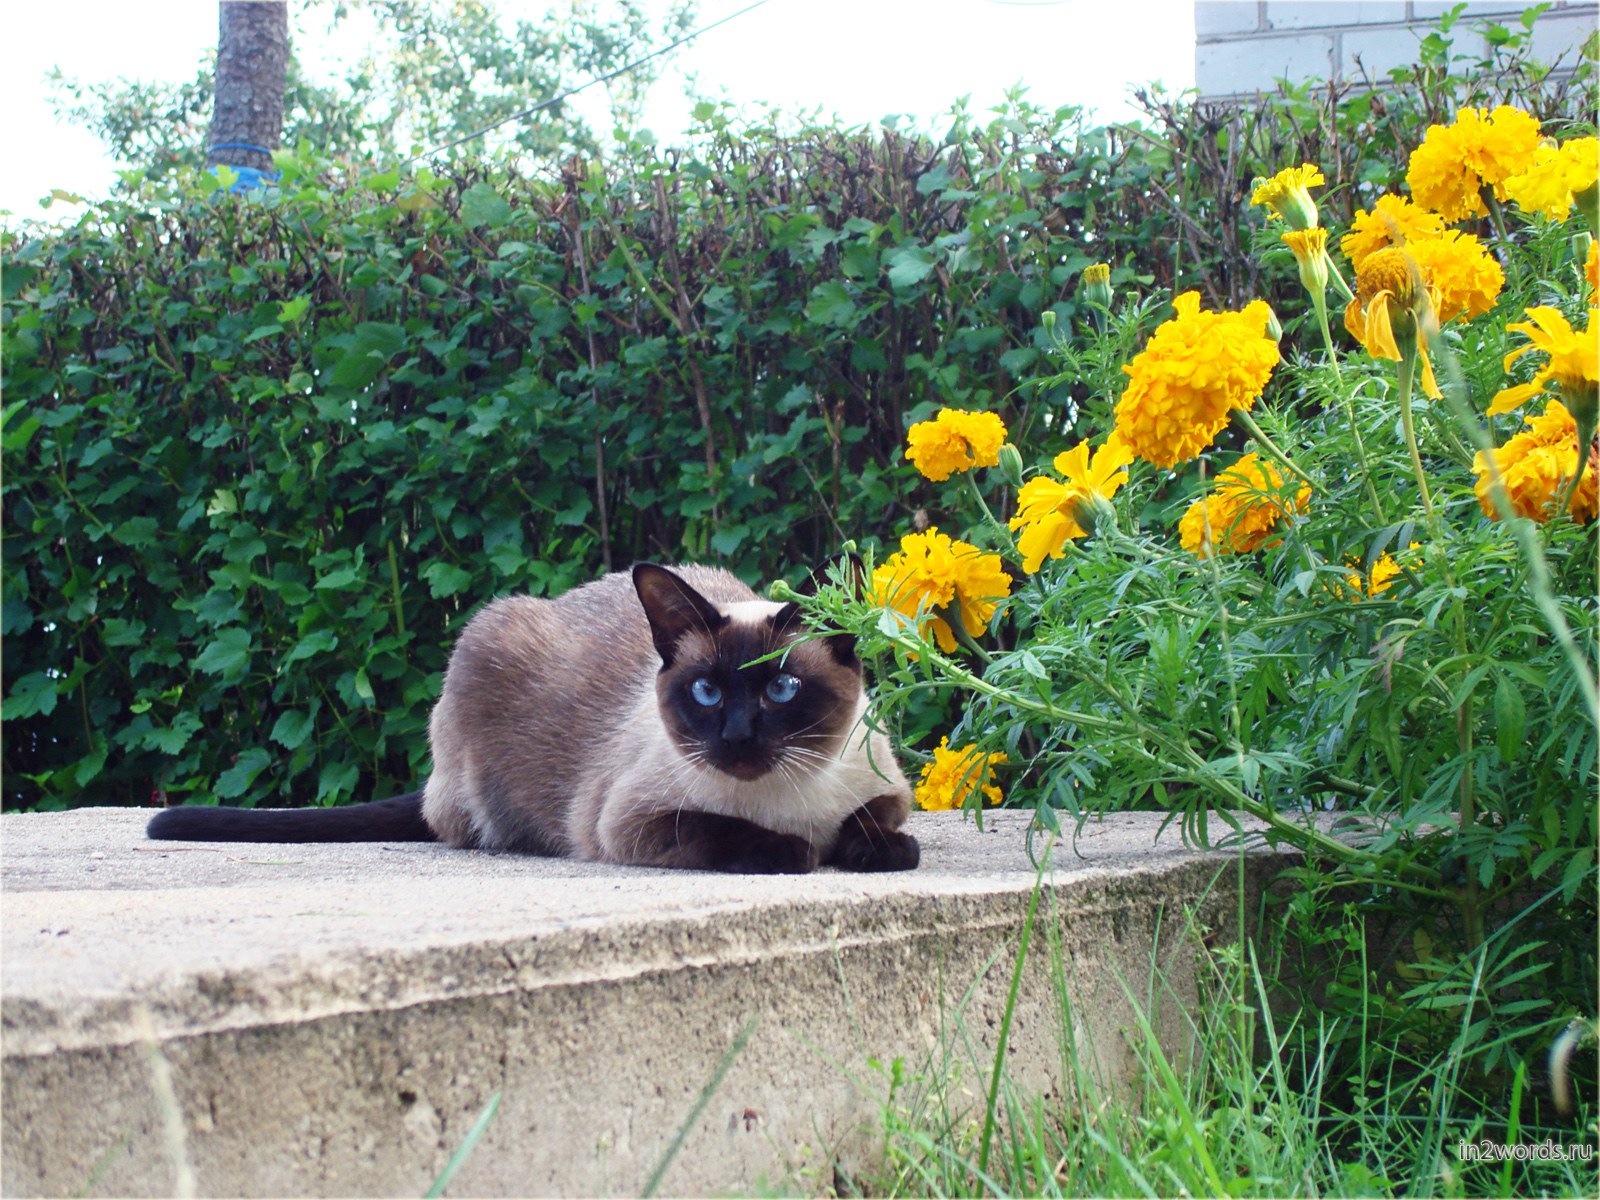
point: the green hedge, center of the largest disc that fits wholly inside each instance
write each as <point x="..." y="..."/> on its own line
<point x="263" y="457"/>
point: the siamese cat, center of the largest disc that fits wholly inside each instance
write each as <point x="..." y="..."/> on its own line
<point x="630" y="721"/>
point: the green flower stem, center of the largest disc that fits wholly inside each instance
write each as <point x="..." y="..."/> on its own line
<point x="1585" y="439"/>
<point x="1189" y="766"/>
<point x="1408" y="368"/>
<point x="1320" y="300"/>
<point x="1271" y="447"/>
<point x="1337" y="279"/>
<point x="1497" y="215"/>
<point x="1470" y="898"/>
<point x="1361" y="454"/>
<point x="1004" y="534"/>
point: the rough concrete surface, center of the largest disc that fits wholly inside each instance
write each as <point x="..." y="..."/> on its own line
<point x="335" y="1017"/>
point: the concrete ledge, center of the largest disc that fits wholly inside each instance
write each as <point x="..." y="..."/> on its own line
<point x="336" y="1016"/>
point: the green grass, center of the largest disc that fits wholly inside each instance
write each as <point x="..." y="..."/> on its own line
<point x="1252" y="1105"/>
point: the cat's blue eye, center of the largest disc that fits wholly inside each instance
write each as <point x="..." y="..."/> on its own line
<point x="705" y="692"/>
<point x="783" y="689"/>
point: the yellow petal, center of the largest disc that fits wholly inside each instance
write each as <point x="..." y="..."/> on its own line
<point x="1430" y="385"/>
<point x="1380" y="333"/>
<point x="1513" y="397"/>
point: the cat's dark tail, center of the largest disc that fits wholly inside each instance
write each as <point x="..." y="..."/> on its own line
<point x="396" y="820"/>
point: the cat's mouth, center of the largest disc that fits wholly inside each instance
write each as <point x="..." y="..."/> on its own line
<point x="741" y="768"/>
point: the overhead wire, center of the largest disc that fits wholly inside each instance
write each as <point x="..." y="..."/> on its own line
<point x="554" y="100"/>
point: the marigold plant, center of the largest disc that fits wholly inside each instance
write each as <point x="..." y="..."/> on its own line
<point x="1241" y="512"/>
<point x="1331" y="626"/>
<point x="955" y="441"/>
<point x="952" y="777"/>
<point x="1537" y="468"/>
<point x="935" y="579"/>
<point x="1479" y="149"/>
<point x="1197" y="368"/>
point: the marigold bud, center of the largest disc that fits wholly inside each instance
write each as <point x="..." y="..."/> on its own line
<point x="1010" y="466"/>
<point x="1096" y="285"/>
<point x="1093" y="512"/>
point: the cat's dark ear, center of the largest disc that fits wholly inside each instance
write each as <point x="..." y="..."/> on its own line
<point x="673" y="608"/>
<point x="841" y="645"/>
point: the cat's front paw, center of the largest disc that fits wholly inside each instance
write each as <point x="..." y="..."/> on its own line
<point x="886" y="850"/>
<point x="870" y="838"/>
<point x="774" y="854"/>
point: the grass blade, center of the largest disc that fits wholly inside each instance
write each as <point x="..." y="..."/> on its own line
<point x="467" y="1143"/>
<point x="699" y="1106"/>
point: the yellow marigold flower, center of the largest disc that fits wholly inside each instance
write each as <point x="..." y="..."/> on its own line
<point x="1196" y="369"/>
<point x="938" y="578"/>
<point x="1387" y="295"/>
<point x="954" y="775"/>
<point x="1536" y="466"/>
<point x="1393" y="221"/>
<point x="1465" y="275"/>
<point x="955" y="441"/>
<point x="1555" y="176"/>
<point x="1239" y="514"/>
<point x="1572" y="364"/>
<point x="1480" y="149"/>
<point x="1053" y="512"/>
<point x="1384" y="572"/>
<point x="1285" y="195"/>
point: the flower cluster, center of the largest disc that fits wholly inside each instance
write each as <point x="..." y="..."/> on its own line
<point x="1555" y="177"/>
<point x="1200" y="370"/>
<point x="1537" y="466"/>
<point x="955" y="441"/>
<point x="954" y="775"/>
<point x="1241" y="512"/>
<point x="1196" y="369"/>
<point x="936" y="579"/>
<point x="1478" y="150"/>
<point x="1393" y="221"/>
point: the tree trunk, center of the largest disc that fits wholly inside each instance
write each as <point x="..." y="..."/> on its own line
<point x="252" y="61"/>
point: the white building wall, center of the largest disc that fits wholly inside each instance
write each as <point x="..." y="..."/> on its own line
<point x="1246" y="46"/>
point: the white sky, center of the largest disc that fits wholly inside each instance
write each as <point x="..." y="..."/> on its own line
<point x="862" y="59"/>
